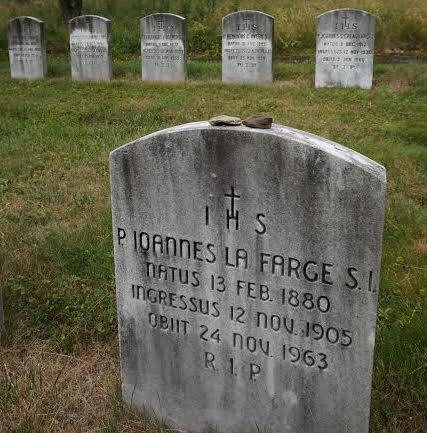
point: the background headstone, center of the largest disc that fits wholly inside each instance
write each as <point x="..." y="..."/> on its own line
<point x="27" y="48"/>
<point x="163" y="47"/>
<point x="345" y="49"/>
<point x="247" y="268"/>
<point x="90" y="48"/>
<point x="247" y="47"/>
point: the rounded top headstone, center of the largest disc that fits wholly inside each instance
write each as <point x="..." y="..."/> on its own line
<point x="26" y="17"/>
<point x="88" y="20"/>
<point x="163" y="47"/>
<point x="345" y="9"/>
<point x="345" y="48"/>
<point x="178" y="17"/>
<point x="234" y="249"/>
<point x="247" y="11"/>
<point x="27" y="48"/>
<point x="247" y="47"/>
<point x="300" y="138"/>
<point x="84" y="17"/>
<point x="90" y="50"/>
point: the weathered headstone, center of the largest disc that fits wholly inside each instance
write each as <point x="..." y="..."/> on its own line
<point x="90" y="48"/>
<point x="247" y="47"/>
<point x="163" y="47"/>
<point x="247" y="267"/>
<point x="27" y="48"/>
<point x="345" y="49"/>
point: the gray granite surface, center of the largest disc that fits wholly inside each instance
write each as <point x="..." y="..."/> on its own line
<point x="247" y="267"/>
<point x="90" y="49"/>
<point x="345" y="49"/>
<point x="163" y="47"/>
<point x="247" y="47"/>
<point x="27" y="48"/>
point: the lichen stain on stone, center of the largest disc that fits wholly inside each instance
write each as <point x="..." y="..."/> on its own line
<point x="129" y="356"/>
<point x="125" y="159"/>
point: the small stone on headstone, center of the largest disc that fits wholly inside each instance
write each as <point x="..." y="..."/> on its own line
<point x="224" y="120"/>
<point x="260" y="121"/>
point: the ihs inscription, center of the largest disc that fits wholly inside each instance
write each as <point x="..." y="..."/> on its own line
<point x="232" y="214"/>
<point x="344" y="23"/>
<point x="248" y="25"/>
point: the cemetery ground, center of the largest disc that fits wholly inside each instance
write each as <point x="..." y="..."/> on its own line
<point x="59" y="361"/>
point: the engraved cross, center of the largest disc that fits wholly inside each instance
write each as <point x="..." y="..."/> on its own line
<point x="345" y="18"/>
<point x="247" y="22"/>
<point x="232" y="214"/>
<point x="160" y="24"/>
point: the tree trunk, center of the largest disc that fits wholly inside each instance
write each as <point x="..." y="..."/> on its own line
<point x="70" y="9"/>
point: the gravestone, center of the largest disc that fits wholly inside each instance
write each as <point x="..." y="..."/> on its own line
<point x="163" y="47"/>
<point x="27" y="48"/>
<point x="247" y="267"/>
<point x="345" y="49"/>
<point x="247" y="47"/>
<point x="90" y="48"/>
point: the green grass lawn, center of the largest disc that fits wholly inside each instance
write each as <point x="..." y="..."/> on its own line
<point x="59" y="361"/>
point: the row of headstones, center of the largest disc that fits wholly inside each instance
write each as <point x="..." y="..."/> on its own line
<point x="344" y="48"/>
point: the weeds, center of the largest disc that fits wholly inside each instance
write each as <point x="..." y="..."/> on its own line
<point x="399" y="29"/>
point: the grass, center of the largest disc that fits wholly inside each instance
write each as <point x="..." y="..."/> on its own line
<point x="400" y="28"/>
<point x="59" y="360"/>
